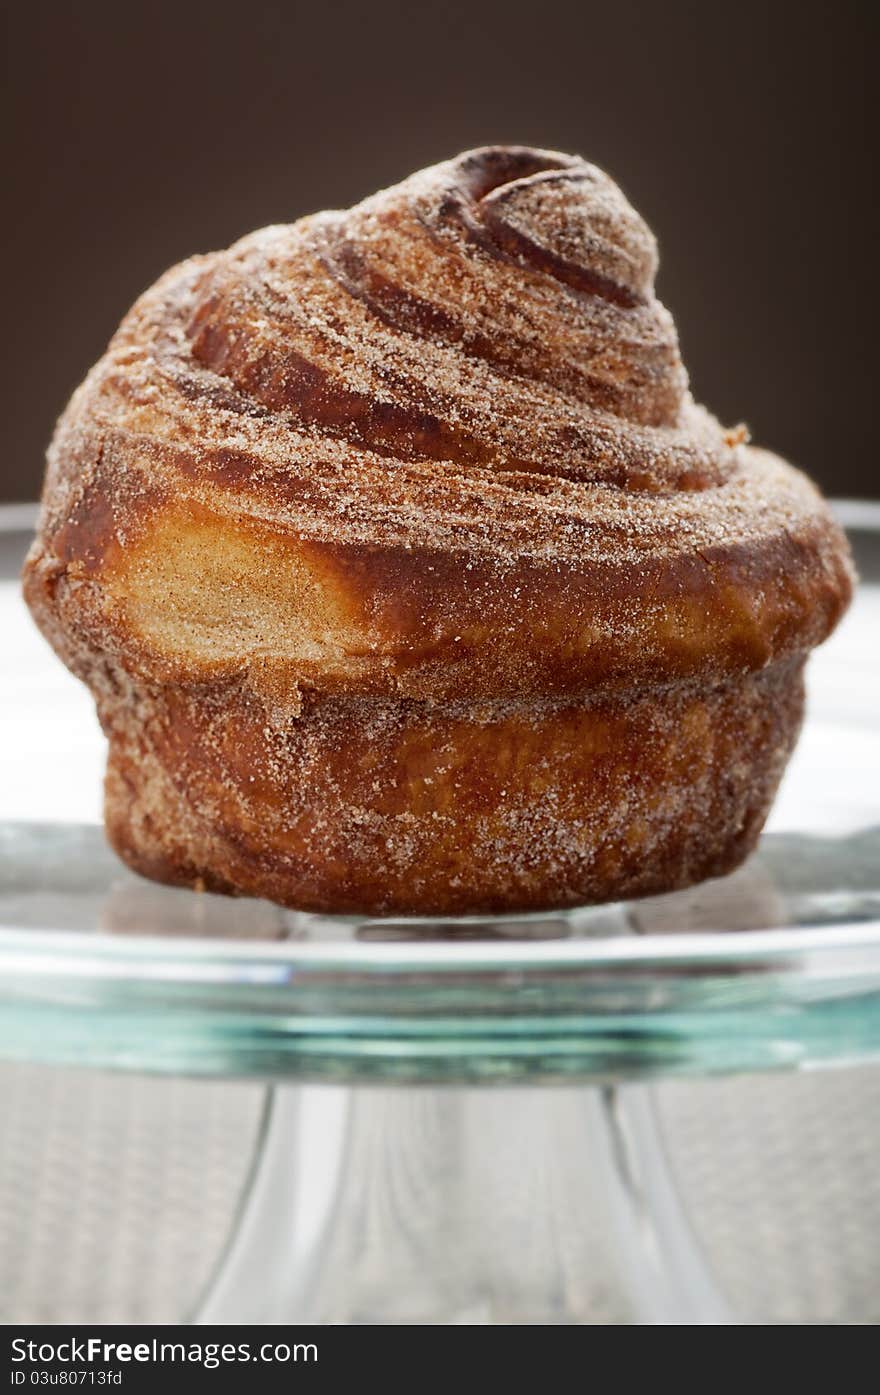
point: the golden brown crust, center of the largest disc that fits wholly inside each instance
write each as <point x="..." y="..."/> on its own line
<point x="362" y="805"/>
<point x="432" y="459"/>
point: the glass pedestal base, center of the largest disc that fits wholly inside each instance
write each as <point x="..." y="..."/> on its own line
<point x="447" y="1205"/>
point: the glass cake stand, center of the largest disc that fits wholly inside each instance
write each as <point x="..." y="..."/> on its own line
<point x="388" y="1184"/>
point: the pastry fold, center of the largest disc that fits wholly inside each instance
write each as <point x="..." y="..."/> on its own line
<point x="408" y="576"/>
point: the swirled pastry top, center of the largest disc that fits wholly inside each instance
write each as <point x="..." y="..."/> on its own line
<point x="440" y="445"/>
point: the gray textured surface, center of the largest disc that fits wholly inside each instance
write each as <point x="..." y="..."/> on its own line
<point x="117" y="1193"/>
<point x="781" y="1177"/>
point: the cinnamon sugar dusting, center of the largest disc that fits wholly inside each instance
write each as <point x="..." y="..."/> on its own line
<point x="404" y="373"/>
<point x="408" y="575"/>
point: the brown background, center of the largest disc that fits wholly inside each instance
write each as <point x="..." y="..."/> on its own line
<point x="743" y="132"/>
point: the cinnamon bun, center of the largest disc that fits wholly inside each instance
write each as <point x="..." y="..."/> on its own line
<point x="406" y="573"/>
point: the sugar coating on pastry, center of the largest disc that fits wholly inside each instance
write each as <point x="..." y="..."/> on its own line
<point x="406" y="573"/>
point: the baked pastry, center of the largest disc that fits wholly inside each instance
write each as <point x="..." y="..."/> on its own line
<point x="407" y="575"/>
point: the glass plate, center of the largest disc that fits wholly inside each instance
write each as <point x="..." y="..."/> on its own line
<point x="777" y="965"/>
